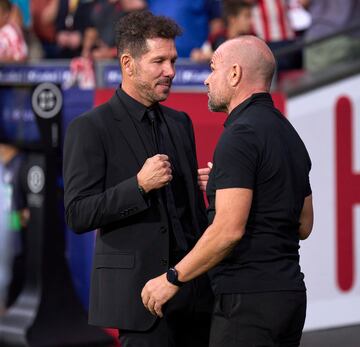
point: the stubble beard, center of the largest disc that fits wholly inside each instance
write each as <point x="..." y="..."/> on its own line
<point x="146" y="89"/>
<point x="217" y="105"/>
<point x="149" y="93"/>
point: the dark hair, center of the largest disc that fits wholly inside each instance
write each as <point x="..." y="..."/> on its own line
<point x="5" y="5"/>
<point x="133" y="29"/>
<point x="232" y="8"/>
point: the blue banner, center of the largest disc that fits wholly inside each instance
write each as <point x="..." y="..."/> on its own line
<point x="107" y="74"/>
<point x="187" y="75"/>
<point x="35" y="73"/>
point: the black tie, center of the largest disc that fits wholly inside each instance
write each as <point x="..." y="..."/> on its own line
<point x="153" y="117"/>
<point x="168" y="197"/>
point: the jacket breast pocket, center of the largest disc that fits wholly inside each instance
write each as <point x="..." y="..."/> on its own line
<point x="114" y="261"/>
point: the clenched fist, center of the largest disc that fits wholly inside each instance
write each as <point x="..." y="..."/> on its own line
<point x="203" y="176"/>
<point x="155" y="173"/>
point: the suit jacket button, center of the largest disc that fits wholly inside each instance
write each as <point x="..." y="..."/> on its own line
<point x="163" y="230"/>
<point x="164" y="262"/>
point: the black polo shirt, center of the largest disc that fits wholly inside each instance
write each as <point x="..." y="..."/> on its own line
<point x="260" y="150"/>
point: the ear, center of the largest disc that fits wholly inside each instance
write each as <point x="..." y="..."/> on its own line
<point x="127" y="64"/>
<point x="235" y="75"/>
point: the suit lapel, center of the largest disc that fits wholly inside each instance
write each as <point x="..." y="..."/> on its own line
<point x="128" y="129"/>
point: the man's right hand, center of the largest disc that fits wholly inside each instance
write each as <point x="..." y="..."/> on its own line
<point x="155" y="173"/>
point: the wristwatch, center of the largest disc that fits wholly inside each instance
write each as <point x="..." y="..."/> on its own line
<point x="172" y="277"/>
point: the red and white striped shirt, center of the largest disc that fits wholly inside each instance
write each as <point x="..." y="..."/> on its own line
<point x="271" y="22"/>
<point x="12" y="43"/>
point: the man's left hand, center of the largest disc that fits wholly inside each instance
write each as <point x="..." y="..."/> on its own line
<point x="156" y="293"/>
<point x="203" y="176"/>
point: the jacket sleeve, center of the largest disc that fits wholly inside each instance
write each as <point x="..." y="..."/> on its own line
<point x="88" y="205"/>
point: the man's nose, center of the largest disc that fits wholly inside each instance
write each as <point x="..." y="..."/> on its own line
<point x="206" y="82"/>
<point x="169" y="70"/>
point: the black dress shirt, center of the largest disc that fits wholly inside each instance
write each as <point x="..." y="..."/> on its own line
<point x="178" y="211"/>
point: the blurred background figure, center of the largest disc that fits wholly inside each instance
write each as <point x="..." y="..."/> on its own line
<point x="21" y="9"/>
<point x="328" y="17"/>
<point x="16" y="15"/>
<point x="271" y="23"/>
<point x="44" y="14"/>
<point x="5" y="257"/>
<point x="99" y="40"/>
<point x="196" y="17"/>
<point x="13" y="47"/>
<point x="299" y="17"/>
<point x="73" y="18"/>
<point x="238" y="21"/>
<point x="14" y="219"/>
<point x="21" y="13"/>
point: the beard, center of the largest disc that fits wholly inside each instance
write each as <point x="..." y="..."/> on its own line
<point x="217" y="105"/>
<point x="149" y="93"/>
<point x="149" y="90"/>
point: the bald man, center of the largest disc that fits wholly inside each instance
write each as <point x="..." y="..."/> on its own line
<point x="260" y="206"/>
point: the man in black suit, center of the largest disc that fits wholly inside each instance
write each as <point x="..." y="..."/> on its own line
<point x="130" y="171"/>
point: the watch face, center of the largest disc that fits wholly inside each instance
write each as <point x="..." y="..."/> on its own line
<point x="172" y="275"/>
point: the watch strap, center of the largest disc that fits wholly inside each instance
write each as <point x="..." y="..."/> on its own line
<point x="172" y="277"/>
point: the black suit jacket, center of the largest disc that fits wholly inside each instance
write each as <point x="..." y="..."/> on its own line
<point x="103" y="152"/>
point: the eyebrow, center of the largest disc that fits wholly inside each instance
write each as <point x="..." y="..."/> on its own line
<point x="165" y="57"/>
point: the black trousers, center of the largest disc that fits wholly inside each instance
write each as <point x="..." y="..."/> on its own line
<point x="186" y="321"/>
<point x="272" y="319"/>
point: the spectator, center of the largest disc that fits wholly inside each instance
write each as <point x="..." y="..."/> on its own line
<point x="13" y="203"/>
<point x="72" y="21"/>
<point x="24" y="10"/>
<point x="23" y="15"/>
<point x="272" y="24"/>
<point x="44" y="13"/>
<point x="193" y="16"/>
<point x="99" y="41"/>
<point x="13" y="47"/>
<point x="328" y="17"/>
<point x="4" y="241"/>
<point x="299" y="17"/>
<point x="16" y="16"/>
<point x="237" y="17"/>
<point x="132" y="5"/>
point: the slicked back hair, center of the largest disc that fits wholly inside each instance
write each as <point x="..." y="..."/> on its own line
<point x="133" y="29"/>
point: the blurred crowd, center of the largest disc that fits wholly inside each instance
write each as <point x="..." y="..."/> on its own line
<point x="66" y="29"/>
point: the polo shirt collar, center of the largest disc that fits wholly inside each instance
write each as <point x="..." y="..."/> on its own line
<point x="236" y="112"/>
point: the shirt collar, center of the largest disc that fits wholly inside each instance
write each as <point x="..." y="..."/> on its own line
<point x="237" y="111"/>
<point x="135" y="108"/>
